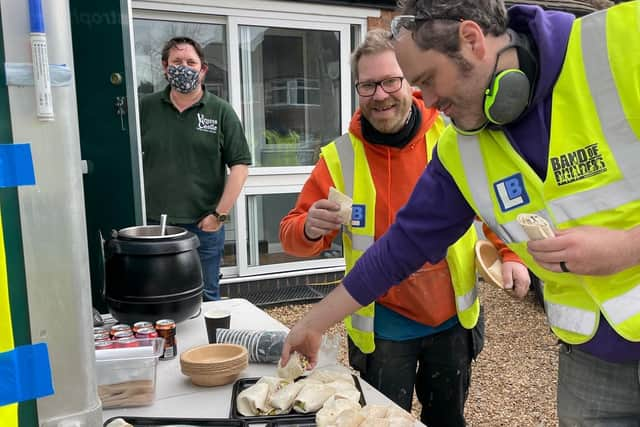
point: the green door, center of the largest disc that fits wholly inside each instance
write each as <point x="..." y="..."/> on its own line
<point x="104" y="89"/>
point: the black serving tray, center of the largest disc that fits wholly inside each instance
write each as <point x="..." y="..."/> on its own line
<point x="195" y="422"/>
<point x="291" y="419"/>
<point x="293" y="422"/>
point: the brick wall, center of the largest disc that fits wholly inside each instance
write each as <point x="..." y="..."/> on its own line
<point x="383" y="22"/>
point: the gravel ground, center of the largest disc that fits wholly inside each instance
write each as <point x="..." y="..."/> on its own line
<point x="514" y="378"/>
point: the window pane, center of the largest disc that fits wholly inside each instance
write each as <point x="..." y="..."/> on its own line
<point x="290" y="93"/>
<point x="264" y="213"/>
<point x="150" y="35"/>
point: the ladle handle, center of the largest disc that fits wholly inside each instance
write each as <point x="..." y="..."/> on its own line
<point x="163" y="224"/>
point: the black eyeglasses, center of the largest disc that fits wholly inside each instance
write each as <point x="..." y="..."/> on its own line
<point x="412" y="22"/>
<point x="390" y="85"/>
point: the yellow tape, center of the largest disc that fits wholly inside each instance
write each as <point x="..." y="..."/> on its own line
<point x="8" y="413"/>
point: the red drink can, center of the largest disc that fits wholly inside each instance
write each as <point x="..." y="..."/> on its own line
<point x="101" y="336"/>
<point x="141" y="325"/>
<point x="122" y="334"/>
<point x="100" y="330"/>
<point x="146" y="333"/>
<point x="166" y="329"/>
<point x="120" y="327"/>
<point x="126" y="342"/>
<point x="101" y="345"/>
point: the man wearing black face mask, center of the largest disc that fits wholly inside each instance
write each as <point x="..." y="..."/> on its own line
<point x="189" y="138"/>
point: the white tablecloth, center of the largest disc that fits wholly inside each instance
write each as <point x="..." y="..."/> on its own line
<point x="177" y="397"/>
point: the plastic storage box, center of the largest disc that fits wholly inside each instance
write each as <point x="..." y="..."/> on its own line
<point x="127" y="376"/>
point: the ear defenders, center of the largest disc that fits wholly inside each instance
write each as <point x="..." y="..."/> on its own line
<point x="509" y="91"/>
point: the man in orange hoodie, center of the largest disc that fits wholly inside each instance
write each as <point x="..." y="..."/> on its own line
<point x="423" y="322"/>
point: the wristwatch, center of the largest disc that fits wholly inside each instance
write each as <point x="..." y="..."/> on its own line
<point x="221" y="217"/>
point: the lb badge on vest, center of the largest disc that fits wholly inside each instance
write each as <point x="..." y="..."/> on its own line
<point x="358" y="215"/>
<point x="511" y="192"/>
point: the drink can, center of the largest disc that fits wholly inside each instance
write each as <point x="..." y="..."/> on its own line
<point x="122" y="334"/>
<point x="126" y="342"/>
<point x="141" y="325"/>
<point x="119" y="327"/>
<point x="166" y="328"/>
<point x="101" y="336"/>
<point x="101" y="345"/>
<point x="146" y="333"/>
<point x="100" y="330"/>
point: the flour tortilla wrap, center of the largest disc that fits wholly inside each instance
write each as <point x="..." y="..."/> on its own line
<point x="282" y="400"/>
<point x="375" y="411"/>
<point x="400" y="422"/>
<point x="397" y="412"/>
<point x="312" y="397"/>
<point x="349" y="418"/>
<point x="330" y="375"/>
<point x="274" y="383"/>
<point x="536" y="227"/>
<point x="375" y="422"/>
<point x="332" y="408"/>
<point x="345" y="203"/>
<point x="294" y="368"/>
<point x="253" y="400"/>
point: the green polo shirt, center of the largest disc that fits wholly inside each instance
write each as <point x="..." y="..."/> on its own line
<point x="184" y="155"/>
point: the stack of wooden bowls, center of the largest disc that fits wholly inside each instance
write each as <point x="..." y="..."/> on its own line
<point x="214" y="364"/>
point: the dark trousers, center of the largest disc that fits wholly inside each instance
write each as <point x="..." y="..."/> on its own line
<point x="439" y="366"/>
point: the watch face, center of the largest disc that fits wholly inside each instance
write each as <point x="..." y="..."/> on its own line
<point x="222" y="217"/>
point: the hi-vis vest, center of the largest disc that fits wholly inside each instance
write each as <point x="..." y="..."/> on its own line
<point x="349" y="169"/>
<point x="593" y="175"/>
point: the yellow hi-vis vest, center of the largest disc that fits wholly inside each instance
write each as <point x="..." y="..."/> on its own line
<point x="593" y="175"/>
<point x="349" y="169"/>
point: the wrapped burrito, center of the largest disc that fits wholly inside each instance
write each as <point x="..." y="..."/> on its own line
<point x="536" y="227"/>
<point x="274" y="383"/>
<point x="282" y="400"/>
<point x="332" y="408"/>
<point x="349" y="418"/>
<point x="345" y="203"/>
<point x="312" y="397"/>
<point x="330" y="375"/>
<point x="294" y="368"/>
<point x="253" y="400"/>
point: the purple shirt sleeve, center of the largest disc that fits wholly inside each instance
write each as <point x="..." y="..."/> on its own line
<point x="435" y="216"/>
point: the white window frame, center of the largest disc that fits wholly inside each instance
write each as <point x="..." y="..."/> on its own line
<point x="296" y="15"/>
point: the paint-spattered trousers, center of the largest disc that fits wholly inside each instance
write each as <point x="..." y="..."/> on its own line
<point x="439" y="366"/>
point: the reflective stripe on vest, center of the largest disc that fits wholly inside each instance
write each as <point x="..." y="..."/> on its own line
<point x="360" y="325"/>
<point x="607" y="202"/>
<point x="364" y="323"/>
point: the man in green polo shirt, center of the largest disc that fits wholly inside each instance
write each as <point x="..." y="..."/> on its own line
<point x="189" y="138"/>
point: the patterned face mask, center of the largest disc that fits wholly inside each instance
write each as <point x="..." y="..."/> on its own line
<point x="182" y="78"/>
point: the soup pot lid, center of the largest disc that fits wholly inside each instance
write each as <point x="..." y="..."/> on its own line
<point x="146" y="240"/>
<point x="150" y="232"/>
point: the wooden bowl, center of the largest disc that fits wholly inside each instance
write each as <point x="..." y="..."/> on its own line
<point x="488" y="263"/>
<point x="217" y="378"/>
<point x="214" y="364"/>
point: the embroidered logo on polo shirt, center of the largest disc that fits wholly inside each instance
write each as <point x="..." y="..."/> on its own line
<point x="511" y="193"/>
<point x="576" y="165"/>
<point x="207" y="125"/>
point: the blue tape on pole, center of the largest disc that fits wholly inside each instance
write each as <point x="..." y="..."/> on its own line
<point x="16" y="165"/>
<point x="25" y="373"/>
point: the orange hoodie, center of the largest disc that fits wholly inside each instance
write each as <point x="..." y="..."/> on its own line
<point x="395" y="172"/>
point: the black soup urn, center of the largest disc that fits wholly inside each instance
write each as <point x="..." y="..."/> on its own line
<point x="152" y="274"/>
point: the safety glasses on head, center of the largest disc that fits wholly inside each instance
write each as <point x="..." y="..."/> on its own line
<point x="411" y="23"/>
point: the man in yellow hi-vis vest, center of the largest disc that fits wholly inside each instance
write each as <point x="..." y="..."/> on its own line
<point x="547" y="121"/>
<point x="429" y="320"/>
